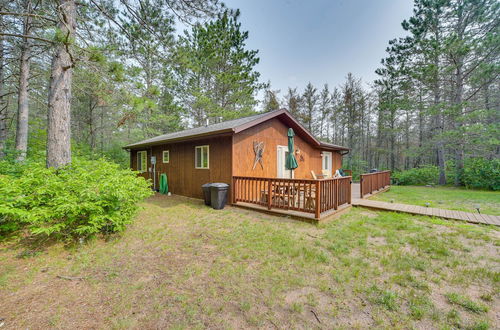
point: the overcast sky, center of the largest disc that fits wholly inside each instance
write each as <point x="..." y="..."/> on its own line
<point x="320" y="40"/>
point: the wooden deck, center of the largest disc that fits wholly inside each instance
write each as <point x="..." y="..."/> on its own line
<point x="303" y="216"/>
<point x="421" y="210"/>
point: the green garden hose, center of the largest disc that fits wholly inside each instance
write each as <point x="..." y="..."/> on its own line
<point x="163" y="184"/>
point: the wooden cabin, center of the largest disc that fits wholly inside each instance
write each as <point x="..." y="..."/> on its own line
<point x="228" y="151"/>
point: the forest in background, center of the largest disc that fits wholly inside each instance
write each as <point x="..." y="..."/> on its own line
<point x="131" y="75"/>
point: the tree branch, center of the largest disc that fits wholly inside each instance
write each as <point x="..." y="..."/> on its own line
<point x="8" y="13"/>
<point x="25" y="36"/>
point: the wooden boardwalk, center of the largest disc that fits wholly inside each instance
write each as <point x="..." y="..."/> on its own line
<point x="421" y="210"/>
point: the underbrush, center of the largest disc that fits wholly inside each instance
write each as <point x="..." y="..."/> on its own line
<point x="478" y="173"/>
<point x="78" y="201"/>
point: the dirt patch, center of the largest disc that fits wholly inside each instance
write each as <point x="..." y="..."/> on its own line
<point x="376" y="240"/>
<point x="369" y="214"/>
<point x="409" y="249"/>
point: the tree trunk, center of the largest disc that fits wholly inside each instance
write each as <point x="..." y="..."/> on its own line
<point x="23" y="96"/>
<point x="457" y="100"/>
<point x="438" y="120"/>
<point x="3" y="104"/>
<point x="59" y="104"/>
<point x="459" y="147"/>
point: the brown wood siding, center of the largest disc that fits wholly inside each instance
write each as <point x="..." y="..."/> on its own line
<point x="183" y="178"/>
<point x="273" y="133"/>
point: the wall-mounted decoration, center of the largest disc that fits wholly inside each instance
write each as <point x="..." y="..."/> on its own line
<point x="258" y="149"/>
<point x="299" y="155"/>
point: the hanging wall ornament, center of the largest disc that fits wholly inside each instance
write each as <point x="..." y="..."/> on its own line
<point x="258" y="149"/>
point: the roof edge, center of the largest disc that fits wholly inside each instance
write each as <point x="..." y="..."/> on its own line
<point x="333" y="146"/>
<point x="274" y="114"/>
<point x="179" y="139"/>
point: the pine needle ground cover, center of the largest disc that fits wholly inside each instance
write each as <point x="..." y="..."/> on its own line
<point x="184" y="265"/>
<point x="449" y="198"/>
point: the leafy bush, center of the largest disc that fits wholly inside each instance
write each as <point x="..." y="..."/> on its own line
<point x="482" y="173"/>
<point x="417" y="176"/>
<point x="10" y="167"/>
<point x="80" y="200"/>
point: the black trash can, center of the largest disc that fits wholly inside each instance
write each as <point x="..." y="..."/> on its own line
<point x="206" y="192"/>
<point x="374" y="170"/>
<point x="218" y="195"/>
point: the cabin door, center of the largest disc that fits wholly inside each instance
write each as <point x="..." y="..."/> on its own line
<point x="326" y="159"/>
<point x="283" y="172"/>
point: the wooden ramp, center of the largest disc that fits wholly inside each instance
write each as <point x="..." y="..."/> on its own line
<point x="430" y="211"/>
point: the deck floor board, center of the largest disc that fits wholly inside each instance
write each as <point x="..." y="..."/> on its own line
<point x="420" y="210"/>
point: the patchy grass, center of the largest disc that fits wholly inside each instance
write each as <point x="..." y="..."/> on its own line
<point x="465" y="302"/>
<point x="450" y="198"/>
<point x="183" y="265"/>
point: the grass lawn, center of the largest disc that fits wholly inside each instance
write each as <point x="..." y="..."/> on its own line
<point x="183" y="265"/>
<point x="450" y="198"/>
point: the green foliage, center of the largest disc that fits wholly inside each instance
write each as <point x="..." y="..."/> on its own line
<point x="478" y="173"/>
<point x="482" y="173"/>
<point x="80" y="200"/>
<point x="417" y="176"/>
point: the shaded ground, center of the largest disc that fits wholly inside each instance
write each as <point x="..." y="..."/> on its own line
<point x="183" y="265"/>
<point x="449" y="198"/>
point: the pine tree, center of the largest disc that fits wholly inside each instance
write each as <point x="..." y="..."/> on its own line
<point x="217" y="74"/>
<point x="310" y="107"/>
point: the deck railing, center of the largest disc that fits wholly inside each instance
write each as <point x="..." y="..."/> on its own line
<point x="303" y="195"/>
<point x="371" y="182"/>
<point x="348" y="172"/>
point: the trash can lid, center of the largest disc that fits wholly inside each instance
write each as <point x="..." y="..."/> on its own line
<point x="220" y="185"/>
<point x="206" y="185"/>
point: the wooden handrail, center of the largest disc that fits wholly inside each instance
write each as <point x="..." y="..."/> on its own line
<point x="286" y="179"/>
<point x="371" y="182"/>
<point x="304" y="195"/>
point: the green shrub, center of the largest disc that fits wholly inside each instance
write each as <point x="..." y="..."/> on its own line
<point x="482" y="173"/>
<point x="418" y="176"/>
<point x="80" y="200"/>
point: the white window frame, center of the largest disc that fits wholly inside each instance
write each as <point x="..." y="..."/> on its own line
<point x="139" y="161"/>
<point x="167" y="152"/>
<point x="202" y="160"/>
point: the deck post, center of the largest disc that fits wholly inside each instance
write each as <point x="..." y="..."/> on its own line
<point x="361" y="186"/>
<point x="269" y="197"/>
<point x="336" y="192"/>
<point x="318" y="200"/>
<point x="233" y="192"/>
<point x="349" y="193"/>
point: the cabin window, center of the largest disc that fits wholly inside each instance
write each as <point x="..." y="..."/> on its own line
<point x="201" y="156"/>
<point x="142" y="161"/>
<point x="166" y="156"/>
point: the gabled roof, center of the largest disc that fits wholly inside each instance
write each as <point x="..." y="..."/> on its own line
<point x="235" y="126"/>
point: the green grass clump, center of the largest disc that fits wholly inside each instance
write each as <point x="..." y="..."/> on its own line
<point x="465" y="302"/>
<point x="386" y="298"/>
